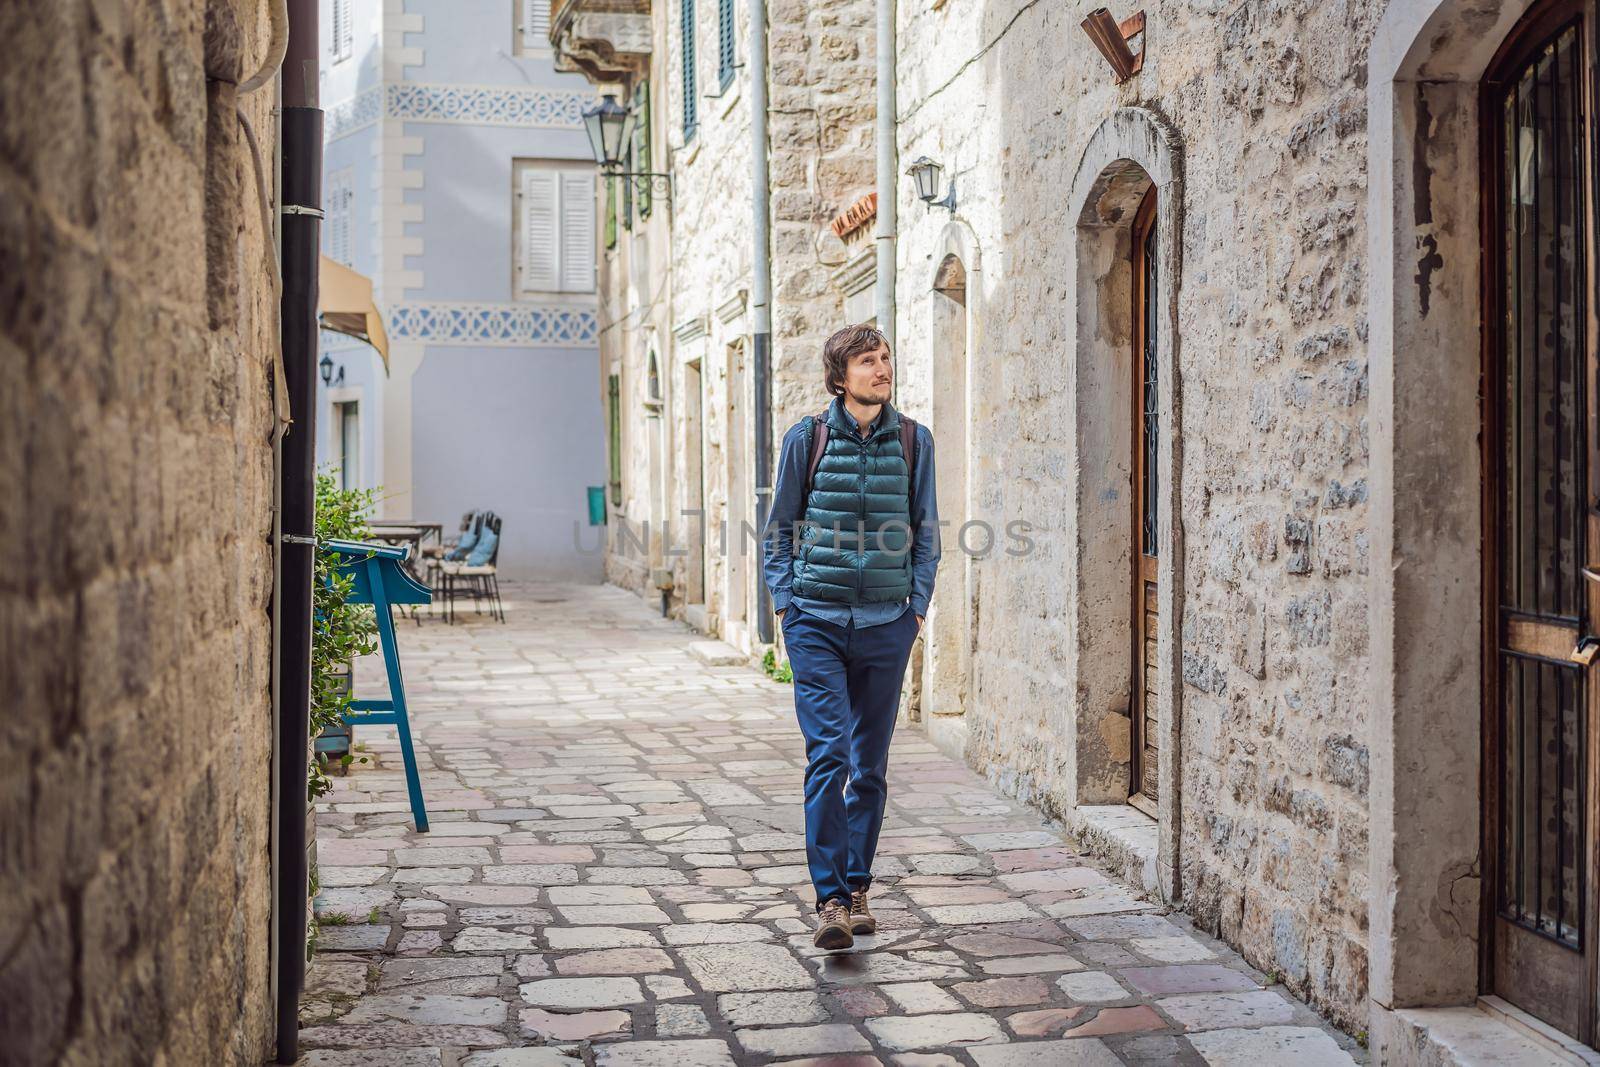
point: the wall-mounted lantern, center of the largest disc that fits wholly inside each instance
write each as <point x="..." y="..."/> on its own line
<point x="610" y="128"/>
<point x="325" y="365"/>
<point x="927" y="175"/>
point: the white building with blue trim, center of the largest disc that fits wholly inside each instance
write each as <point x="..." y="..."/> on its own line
<point x="457" y="176"/>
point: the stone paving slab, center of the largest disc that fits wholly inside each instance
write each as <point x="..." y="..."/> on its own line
<point x="616" y="876"/>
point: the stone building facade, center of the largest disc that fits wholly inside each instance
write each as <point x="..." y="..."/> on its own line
<point x="448" y="130"/>
<point x="135" y="373"/>
<point x="1201" y="350"/>
<point x="1261" y="642"/>
<point x="675" y="325"/>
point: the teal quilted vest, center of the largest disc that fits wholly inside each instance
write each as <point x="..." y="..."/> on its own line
<point x="855" y="544"/>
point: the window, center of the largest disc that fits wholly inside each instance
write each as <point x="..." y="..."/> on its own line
<point x="690" y="91"/>
<point x="343" y="35"/>
<point x="340" y="196"/>
<point x="347" y="423"/>
<point x="555" y="228"/>
<point x="533" y="26"/>
<point x="724" y="43"/>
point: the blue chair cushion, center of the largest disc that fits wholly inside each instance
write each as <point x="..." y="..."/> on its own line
<point x="483" y="551"/>
<point x="465" y="544"/>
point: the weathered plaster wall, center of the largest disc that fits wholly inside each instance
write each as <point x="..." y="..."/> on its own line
<point x="135" y="495"/>
<point x="1270" y="324"/>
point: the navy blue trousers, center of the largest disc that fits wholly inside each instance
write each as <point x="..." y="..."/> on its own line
<point x="846" y="694"/>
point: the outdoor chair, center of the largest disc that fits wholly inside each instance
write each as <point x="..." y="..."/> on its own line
<point x="456" y="548"/>
<point x="477" y="575"/>
<point x="439" y="551"/>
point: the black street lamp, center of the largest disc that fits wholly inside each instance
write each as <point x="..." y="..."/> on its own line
<point x="610" y="129"/>
<point x="926" y="173"/>
<point x="325" y="365"/>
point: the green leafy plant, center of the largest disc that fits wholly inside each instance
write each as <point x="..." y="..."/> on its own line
<point x="340" y="631"/>
<point x="778" y="672"/>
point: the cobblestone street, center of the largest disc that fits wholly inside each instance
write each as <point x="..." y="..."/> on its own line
<point x="616" y="875"/>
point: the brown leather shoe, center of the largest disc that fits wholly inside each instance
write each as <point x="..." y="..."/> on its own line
<point x="861" y="920"/>
<point x="833" y="927"/>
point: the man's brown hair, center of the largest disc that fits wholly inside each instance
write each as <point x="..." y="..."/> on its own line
<point x="850" y="341"/>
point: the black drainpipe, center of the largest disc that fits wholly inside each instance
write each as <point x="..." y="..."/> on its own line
<point x="300" y="130"/>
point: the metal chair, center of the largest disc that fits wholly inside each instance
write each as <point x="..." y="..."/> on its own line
<point x="434" y="555"/>
<point x="481" y="582"/>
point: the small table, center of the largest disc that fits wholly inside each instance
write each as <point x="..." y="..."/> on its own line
<point x="413" y="531"/>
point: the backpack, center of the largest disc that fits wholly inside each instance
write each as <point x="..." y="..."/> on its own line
<point x="819" y="444"/>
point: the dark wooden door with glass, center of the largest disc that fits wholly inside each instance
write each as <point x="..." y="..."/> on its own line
<point x="1146" y="437"/>
<point x="1542" y="512"/>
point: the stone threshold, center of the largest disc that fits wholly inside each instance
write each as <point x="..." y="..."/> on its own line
<point x="1116" y="834"/>
<point x="1120" y="835"/>
<point x="1490" y="1032"/>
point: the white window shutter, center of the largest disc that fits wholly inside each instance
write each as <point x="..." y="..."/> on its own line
<point x="577" y="231"/>
<point x="340" y="196"/>
<point x="540" y="240"/>
<point x="342" y="30"/>
<point x="535" y="23"/>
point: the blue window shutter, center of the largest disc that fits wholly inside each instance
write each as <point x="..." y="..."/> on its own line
<point x="642" y="159"/>
<point x="691" y="92"/>
<point x="724" y="43"/>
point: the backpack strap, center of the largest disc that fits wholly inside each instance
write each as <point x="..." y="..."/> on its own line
<point x="908" y="444"/>
<point x="819" y="444"/>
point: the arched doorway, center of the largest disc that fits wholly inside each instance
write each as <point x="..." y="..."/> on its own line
<point x="1473" y="695"/>
<point x="1541" y="527"/>
<point x="1126" y="569"/>
<point x="948" y="661"/>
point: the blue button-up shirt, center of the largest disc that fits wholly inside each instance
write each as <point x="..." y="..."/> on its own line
<point x="788" y="506"/>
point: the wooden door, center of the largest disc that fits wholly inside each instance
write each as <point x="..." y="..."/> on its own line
<point x="1542" y="507"/>
<point x="1146" y="437"/>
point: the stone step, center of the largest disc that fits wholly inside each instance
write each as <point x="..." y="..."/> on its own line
<point x="717" y="654"/>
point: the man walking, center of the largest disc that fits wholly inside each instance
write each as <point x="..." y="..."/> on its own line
<point x="851" y="548"/>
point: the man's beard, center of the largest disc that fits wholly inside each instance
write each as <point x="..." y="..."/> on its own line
<point x="868" y="400"/>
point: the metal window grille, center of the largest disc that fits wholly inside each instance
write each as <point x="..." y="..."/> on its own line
<point x="1543" y="449"/>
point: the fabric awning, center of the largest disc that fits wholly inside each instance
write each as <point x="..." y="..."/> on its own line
<point x="344" y="305"/>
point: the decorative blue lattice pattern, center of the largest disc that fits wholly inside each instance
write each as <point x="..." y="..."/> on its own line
<point x="489" y="105"/>
<point x="494" y="324"/>
<point x="348" y="116"/>
<point x="484" y="105"/>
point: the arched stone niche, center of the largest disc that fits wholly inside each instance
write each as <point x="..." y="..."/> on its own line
<point x="1128" y="154"/>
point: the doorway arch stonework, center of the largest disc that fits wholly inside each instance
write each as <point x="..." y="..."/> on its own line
<point x="947" y="684"/>
<point x="1425" y="598"/>
<point x="1130" y="152"/>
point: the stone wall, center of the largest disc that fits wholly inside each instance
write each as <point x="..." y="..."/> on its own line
<point x="710" y="266"/>
<point x="821" y="159"/>
<point x="135" y="497"/>
<point x="1272" y="456"/>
